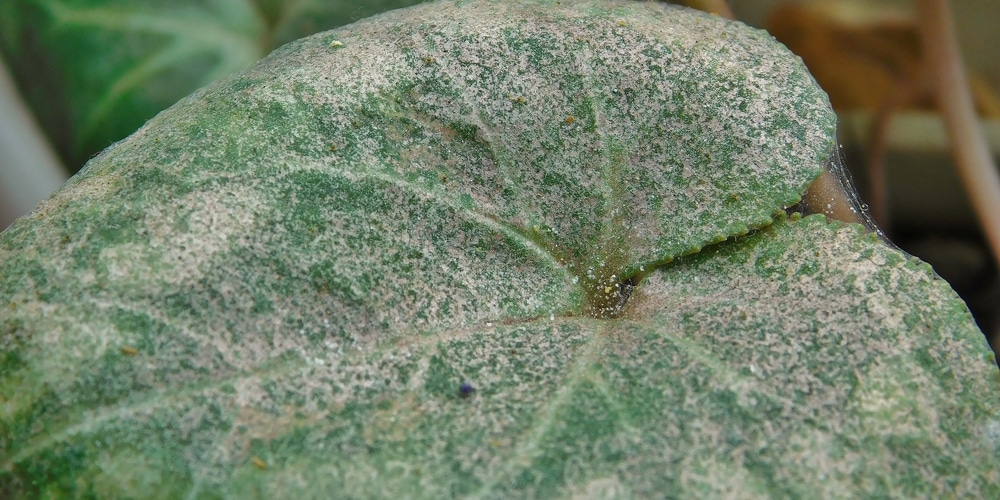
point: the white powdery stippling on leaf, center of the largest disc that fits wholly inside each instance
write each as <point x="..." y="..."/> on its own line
<point x="303" y="266"/>
<point x="492" y="83"/>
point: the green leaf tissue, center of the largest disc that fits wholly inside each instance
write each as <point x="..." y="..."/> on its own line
<point x="482" y="248"/>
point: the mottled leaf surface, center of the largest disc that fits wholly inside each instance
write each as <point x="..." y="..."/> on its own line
<point x="484" y="248"/>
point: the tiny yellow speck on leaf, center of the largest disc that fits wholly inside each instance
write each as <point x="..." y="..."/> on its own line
<point x="570" y="120"/>
<point x="129" y="350"/>
<point x="622" y="23"/>
<point x="258" y="463"/>
<point x="607" y="290"/>
<point x="336" y="44"/>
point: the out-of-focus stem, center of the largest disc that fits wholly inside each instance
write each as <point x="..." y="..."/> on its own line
<point x="972" y="157"/>
<point x="826" y="196"/>
<point x="904" y="90"/>
<point x="718" y="7"/>
<point x="29" y="168"/>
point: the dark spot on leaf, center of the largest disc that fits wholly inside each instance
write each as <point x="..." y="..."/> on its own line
<point x="608" y="299"/>
<point x="465" y="390"/>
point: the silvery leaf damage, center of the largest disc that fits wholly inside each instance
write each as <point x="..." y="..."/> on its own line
<point x="479" y="248"/>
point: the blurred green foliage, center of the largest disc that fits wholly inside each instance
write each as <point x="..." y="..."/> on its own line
<point x="93" y="71"/>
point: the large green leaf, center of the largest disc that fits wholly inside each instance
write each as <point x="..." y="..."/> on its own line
<point x="94" y="70"/>
<point x="484" y="248"/>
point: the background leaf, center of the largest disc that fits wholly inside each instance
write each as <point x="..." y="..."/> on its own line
<point x="94" y="71"/>
<point x="279" y="285"/>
